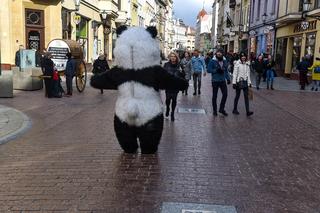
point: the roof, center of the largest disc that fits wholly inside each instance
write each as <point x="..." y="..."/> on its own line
<point x="202" y="13"/>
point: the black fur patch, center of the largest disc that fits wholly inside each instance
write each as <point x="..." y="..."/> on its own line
<point x="121" y="29"/>
<point x="153" y="31"/>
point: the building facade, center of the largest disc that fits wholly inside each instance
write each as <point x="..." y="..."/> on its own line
<point x="215" y="7"/>
<point x="203" y="32"/>
<point x="223" y="25"/>
<point x="263" y="26"/>
<point x="191" y="36"/>
<point x="295" y="36"/>
<point x="180" y="35"/>
<point x="34" y="24"/>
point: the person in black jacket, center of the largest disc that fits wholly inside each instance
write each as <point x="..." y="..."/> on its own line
<point x="100" y="65"/>
<point x="259" y="68"/>
<point x="303" y="70"/>
<point x="173" y="67"/>
<point x="47" y="69"/>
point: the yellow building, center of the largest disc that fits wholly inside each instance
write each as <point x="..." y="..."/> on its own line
<point x="296" y="36"/>
<point x="134" y="13"/>
<point x="34" y="23"/>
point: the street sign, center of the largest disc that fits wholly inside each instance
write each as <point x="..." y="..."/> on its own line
<point x="76" y="19"/>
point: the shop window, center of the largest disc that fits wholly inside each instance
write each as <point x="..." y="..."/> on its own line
<point x="296" y="53"/>
<point x="281" y="54"/>
<point x="310" y="44"/>
<point x="82" y="36"/>
<point x="66" y="23"/>
<point x="317" y="3"/>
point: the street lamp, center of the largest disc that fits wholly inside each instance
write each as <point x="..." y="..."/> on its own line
<point x="306" y="8"/>
<point x="106" y="29"/>
<point x="77" y="4"/>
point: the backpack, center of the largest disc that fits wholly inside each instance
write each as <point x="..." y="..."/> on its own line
<point x="317" y="70"/>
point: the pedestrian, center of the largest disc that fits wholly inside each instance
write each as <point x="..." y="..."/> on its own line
<point x="241" y="81"/>
<point x="100" y="65"/>
<point x="270" y="71"/>
<point x="173" y="67"/>
<point x="265" y="59"/>
<point x="17" y="60"/>
<point x="208" y="58"/>
<point x="70" y="73"/>
<point x="198" y="67"/>
<point x="315" y="70"/>
<point x="48" y="69"/>
<point x="186" y="68"/>
<point x="259" y="68"/>
<point x="302" y="67"/>
<point x="218" y="67"/>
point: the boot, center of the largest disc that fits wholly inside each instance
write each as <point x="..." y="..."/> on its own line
<point x="236" y="112"/>
<point x="172" y="116"/>
<point x="167" y="112"/>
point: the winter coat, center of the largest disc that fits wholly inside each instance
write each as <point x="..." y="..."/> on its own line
<point x="259" y="66"/>
<point x="100" y="66"/>
<point x="218" y="73"/>
<point x="241" y="71"/>
<point x="173" y="69"/>
<point x="186" y="67"/>
<point x="303" y="66"/>
<point x="197" y="64"/>
<point x="70" y="67"/>
<point x="47" y="66"/>
<point x="315" y="76"/>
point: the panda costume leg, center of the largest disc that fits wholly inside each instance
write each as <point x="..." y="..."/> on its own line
<point x="126" y="135"/>
<point x="150" y="134"/>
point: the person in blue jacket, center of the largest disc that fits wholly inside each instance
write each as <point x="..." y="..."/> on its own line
<point x="70" y="73"/>
<point x="218" y="67"/>
<point x="198" y="66"/>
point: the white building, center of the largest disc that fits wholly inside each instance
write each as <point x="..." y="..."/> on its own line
<point x="191" y="36"/>
<point x="214" y="30"/>
<point x="203" y="32"/>
<point x="180" y="35"/>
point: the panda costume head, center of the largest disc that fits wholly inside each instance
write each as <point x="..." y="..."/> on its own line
<point x="138" y="77"/>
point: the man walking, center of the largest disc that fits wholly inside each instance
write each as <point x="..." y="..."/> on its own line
<point x="70" y="73"/>
<point x="198" y="66"/>
<point x="218" y="67"/>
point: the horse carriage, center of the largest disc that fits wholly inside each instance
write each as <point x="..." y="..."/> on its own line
<point x="59" y="49"/>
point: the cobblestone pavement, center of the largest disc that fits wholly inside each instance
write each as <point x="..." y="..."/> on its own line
<point x="70" y="161"/>
<point x="12" y="123"/>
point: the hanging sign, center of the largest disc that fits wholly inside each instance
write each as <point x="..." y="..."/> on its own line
<point x="77" y="19"/>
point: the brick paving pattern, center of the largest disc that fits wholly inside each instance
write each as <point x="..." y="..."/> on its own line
<point x="70" y="161"/>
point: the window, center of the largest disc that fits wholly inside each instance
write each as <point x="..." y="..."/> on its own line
<point x="252" y="13"/>
<point x="310" y="44"/>
<point x="266" y="6"/>
<point x="317" y="3"/>
<point x="259" y="10"/>
<point x="273" y="11"/>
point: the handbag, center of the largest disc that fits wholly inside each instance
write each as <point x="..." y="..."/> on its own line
<point x="250" y="94"/>
<point x="241" y="84"/>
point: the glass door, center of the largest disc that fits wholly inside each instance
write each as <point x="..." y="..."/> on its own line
<point x="296" y="51"/>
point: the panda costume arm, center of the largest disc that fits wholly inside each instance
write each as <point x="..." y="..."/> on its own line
<point x="169" y="81"/>
<point x="104" y="80"/>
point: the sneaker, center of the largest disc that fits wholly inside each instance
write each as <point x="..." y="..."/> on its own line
<point x="272" y="88"/>
<point x="236" y="112"/>
<point x="258" y="88"/>
<point x="199" y="92"/>
<point x="249" y="113"/>
<point x="312" y="89"/>
<point x="316" y="89"/>
<point x="223" y="112"/>
<point x="194" y="93"/>
<point x="215" y="113"/>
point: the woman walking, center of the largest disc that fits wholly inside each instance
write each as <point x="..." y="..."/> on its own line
<point x="173" y="67"/>
<point x="186" y="68"/>
<point x="303" y="70"/>
<point x="100" y="65"/>
<point x="241" y="81"/>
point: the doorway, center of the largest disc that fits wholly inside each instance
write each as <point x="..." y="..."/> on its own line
<point x="34" y="29"/>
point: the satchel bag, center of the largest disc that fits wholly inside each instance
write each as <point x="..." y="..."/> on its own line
<point x="241" y="84"/>
<point x="250" y="94"/>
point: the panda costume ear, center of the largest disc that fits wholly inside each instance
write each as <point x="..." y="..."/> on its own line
<point x="153" y="31"/>
<point x="121" y="29"/>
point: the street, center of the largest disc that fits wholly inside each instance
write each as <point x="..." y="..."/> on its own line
<point x="70" y="160"/>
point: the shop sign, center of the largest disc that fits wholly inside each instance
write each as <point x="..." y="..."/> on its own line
<point x="59" y="50"/>
<point x="76" y="19"/>
<point x="252" y="33"/>
<point x="305" y="26"/>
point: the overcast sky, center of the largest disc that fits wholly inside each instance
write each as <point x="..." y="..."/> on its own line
<point x="188" y="10"/>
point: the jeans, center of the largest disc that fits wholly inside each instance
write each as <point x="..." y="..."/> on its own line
<point x="315" y="84"/>
<point x="197" y="82"/>
<point x="224" y="90"/>
<point x="258" y="79"/>
<point x="270" y="77"/>
<point x="246" y="99"/>
<point x="171" y="97"/>
<point x="69" y="83"/>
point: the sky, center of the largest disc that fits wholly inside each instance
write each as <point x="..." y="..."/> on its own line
<point x="187" y="10"/>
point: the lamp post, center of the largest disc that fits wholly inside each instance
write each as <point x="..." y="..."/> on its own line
<point x="306" y="8"/>
<point x="106" y="29"/>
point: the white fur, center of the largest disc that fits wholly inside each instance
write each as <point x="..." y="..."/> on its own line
<point x="136" y="49"/>
<point x="137" y="104"/>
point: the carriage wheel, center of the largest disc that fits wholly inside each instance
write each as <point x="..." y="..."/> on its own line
<point x="81" y="77"/>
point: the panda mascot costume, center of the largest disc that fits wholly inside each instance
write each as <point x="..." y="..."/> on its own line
<point x="138" y="76"/>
